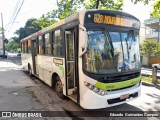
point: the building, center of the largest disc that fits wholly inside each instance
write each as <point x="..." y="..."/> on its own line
<point x="142" y="33"/>
<point x="152" y="32"/>
<point x="152" y="26"/>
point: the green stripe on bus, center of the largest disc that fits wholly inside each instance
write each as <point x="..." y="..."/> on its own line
<point x="62" y="70"/>
<point x="117" y="85"/>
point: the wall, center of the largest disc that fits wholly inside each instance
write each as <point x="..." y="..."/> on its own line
<point x="153" y="60"/>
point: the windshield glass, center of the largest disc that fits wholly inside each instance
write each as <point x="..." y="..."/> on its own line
<point x="110" y="52"/>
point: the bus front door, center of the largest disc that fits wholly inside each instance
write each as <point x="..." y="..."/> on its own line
<point x="71" y="77"/>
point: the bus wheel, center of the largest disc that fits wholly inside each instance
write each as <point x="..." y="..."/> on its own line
<point x="59" y="88"/>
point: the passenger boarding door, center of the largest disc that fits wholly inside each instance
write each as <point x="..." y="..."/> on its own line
<point x="71" y="63"/>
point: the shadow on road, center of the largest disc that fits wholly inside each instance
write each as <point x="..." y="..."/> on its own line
<point x="151" y="85"/>
<point x="122" y="111"/>
<point x="156" y="101"/>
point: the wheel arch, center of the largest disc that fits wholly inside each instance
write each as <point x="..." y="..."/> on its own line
<point x="29" y="66"/>
<point x="53" y="79"/>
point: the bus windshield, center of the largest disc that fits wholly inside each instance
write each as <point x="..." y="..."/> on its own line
<point x="111" y="52"/>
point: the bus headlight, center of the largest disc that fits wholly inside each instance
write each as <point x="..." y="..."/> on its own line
<point x="95" y="89"/>
<point x="91" y="87"/>
<point x="103" y="92"/>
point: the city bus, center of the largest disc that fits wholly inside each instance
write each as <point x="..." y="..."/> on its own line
<point x="92" y="57"/>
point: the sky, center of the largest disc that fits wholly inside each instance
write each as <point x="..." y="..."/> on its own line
<point x="36" y="8"/>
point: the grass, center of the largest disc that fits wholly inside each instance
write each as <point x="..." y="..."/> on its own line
<point x="149" y="79"/>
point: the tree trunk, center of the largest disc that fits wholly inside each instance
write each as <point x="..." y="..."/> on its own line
<point x="97" y="4"/>
<point x="148" y="61"/>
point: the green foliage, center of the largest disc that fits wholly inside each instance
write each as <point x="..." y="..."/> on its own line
<point x="30" y="27"/>
<point x="157" y="50"/>
<point x="64" y="9"/>
<point x="149" y="79"/>
<point x="21" y="32"/>
<point x="45" y="21"/>
<point x="104" y="4"/>
<point x="156" y="10"/>
<point x="144" y="1"/>
<point x="12" y="46"/>
<point x="67" y="8"/>
<point x="150" y="47"/>
<point x="33" y="25"/>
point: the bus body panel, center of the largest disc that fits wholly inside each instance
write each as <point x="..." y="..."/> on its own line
<point x="92" y="100"/>
<point x="47" y="65"/>
<point x="26" y="59"/>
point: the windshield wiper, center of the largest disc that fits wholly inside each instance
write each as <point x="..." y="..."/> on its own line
<point x="127" y="40"/>
<point x="110" y="43"/>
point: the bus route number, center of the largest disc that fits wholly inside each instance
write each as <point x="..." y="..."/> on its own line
<point x="98" y="18"/>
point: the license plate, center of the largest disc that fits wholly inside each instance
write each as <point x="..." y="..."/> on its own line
<point x="125" y="96"/>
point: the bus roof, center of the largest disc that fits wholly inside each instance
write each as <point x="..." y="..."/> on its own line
<point x="72" y="18"/>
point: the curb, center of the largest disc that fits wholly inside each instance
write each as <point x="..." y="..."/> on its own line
<point x="148" y="84"/>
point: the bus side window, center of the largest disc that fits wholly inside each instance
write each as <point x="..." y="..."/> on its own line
<point x="47" y="44"/>
<point x="57" y="43"/>
<point x="26" y="47"/>
<point x="37" y="45"/>
<point x="52" y="40"/>
<point x="41" y="45"/>
<point x="29" y="46"/>
<point x="23" y="47"/>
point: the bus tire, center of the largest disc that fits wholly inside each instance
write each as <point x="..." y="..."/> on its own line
<point x="59" y="88"/>
<point x="30" y="70"/>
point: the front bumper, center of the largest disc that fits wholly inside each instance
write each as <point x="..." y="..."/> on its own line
<point x="92" y="100"/>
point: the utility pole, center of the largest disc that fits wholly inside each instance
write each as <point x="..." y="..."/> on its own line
<point x="3" y="36"/>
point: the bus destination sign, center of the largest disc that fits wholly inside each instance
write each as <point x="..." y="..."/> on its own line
<point x="116" y="20"/>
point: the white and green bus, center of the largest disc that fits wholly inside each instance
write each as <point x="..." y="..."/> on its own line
<point x="91" y="57"/>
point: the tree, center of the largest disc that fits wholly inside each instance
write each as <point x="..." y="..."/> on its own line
<point x="45" y="21"/>
<point x="156" y="10"/>
<point x="104" y="4"/>
<point x="65" y="9"/>
<point x="69" y="7"/>
<point x="157" y="50"/>
<point x="21" y="32"/>
<point x="12" y="46"/>
<point x="148" y="47"/>
<point x="32" y="26"/>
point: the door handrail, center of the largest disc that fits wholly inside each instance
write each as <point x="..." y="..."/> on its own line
<point x="70" y="70"/>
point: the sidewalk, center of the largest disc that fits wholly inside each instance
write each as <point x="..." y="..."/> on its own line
<point x="13" y="89"/>
<point x="19" y="93"/>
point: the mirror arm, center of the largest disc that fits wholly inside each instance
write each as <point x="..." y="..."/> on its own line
<point x="86" y="40"/>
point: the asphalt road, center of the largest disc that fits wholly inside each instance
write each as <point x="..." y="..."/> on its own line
<point x="149" y="101"/>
